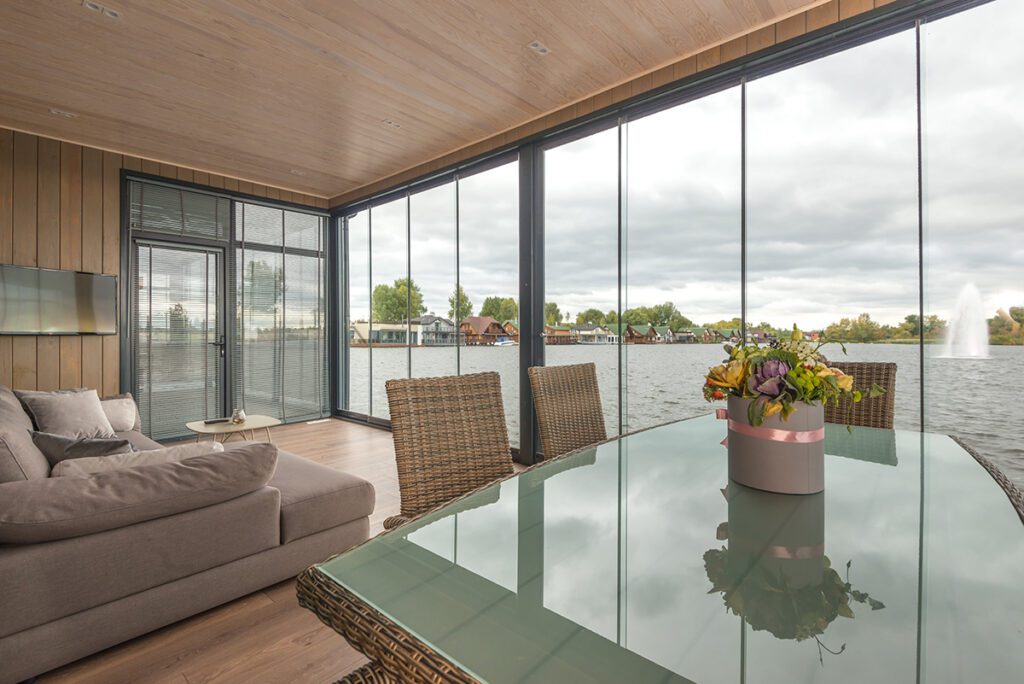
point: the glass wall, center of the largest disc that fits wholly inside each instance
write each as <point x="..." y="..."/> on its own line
<point x="681" y="253"/>
<point x="974" y="222"/>
<point x="783" y="198"/>
<point x="581" y="260"/>
<point x="832" y="226"/>
<point x="489" y="275"/>
<point x="443" y="296"/>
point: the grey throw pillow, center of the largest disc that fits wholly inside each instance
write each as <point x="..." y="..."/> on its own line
<point x="84" y="467"/>
<point x="70" y="413"/>
<point x="58" y="448"/>
<point x="122" y="412"/>
<point x="19" y="457"/>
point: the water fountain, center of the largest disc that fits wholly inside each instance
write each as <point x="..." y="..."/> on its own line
<point x="967" y="336"/>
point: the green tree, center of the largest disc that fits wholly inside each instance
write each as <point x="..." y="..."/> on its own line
<point x="389" y="302"/>
<point x="859" y="329"/>
<point x="465" y="306"/>
<point x="552" y="314"/>
<point x="500" y="308"/>
<point x="593" y="316"/>
<point x="733" y="324"/>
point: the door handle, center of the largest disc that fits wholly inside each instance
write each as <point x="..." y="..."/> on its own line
<point x="221" y="344"/>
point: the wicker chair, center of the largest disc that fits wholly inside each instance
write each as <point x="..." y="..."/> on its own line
<point x="877" y="412"/>
<point x="450" y="438"/>
<point x="568" y="404"/>
<point x="370" y="673"/>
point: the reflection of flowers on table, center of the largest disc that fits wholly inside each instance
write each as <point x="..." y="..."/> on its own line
<point x="767" y="601"/>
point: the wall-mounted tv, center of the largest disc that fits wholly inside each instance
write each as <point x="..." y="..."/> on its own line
<point x="43" y="301"/>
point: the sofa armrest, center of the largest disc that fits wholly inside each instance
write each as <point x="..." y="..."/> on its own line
<point x="44" y="510"/>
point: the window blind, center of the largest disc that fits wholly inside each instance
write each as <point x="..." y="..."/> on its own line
<point x="165" y="209"/>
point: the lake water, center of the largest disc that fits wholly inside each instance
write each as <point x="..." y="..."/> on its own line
<point x="981" y="400"/>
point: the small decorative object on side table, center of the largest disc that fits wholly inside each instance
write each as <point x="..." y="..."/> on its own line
<point x="222" y="431"/>
<point x="776" y="413"/>
<point x="238" y="416"/>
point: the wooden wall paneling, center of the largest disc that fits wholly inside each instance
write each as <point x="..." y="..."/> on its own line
<point x="92" y="255"/>
<point x="709" y="58"/>
<point x="187" y="175"/>
<point x="850" y="8"/>
<point x="6" y="238"/>
<point x="231" y="184"/>
<point x="23" y="375"/>
<point x="168" y="171"/>
<point x="25" y="196"/>
<point x="761" y="39"/>
<point x="273" y="193"/>
<point x="201" y="177"/>
<point x="70" y="373"/>
<point x="151" y="167"/>
<point x="792" y="27"/>
<point x="734" y="49"/>
<point x="823" y="15"/>
<point x="48" y="188"/>
<point x="111" y="262"/>
<point x="245" y="186"/>
<point x="131" y="163"/>
<point x="216" y="181"/>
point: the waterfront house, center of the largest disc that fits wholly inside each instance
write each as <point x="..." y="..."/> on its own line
<point x="432" y="331"/>
<point x="511" y="330"/>
<point x="481" y="330"/>
<point x="592" y="333"/>
<point x="558" y="334"/>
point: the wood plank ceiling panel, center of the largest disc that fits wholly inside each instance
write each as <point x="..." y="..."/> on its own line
<point x="297" y="93"/>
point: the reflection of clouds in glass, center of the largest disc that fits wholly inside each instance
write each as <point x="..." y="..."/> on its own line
<point x="432" y="245"/>
<point x="489" y="234"/>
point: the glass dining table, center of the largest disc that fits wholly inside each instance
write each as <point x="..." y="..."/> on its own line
<point x="638" y="561"/>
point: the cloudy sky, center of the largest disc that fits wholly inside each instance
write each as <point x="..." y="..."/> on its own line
<point x="831" y="195"/>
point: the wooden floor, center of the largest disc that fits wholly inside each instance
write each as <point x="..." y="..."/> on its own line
<point x="263" y="637"/>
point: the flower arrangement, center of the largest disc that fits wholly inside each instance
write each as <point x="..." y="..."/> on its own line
<point x="779" y="376"/>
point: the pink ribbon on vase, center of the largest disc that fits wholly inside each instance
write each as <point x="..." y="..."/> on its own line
<point x="771" y="434"/>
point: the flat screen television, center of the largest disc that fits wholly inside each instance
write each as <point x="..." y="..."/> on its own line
<point x="43" y="301"/>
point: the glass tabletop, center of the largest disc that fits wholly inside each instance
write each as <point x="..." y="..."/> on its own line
<point x="638" y="561"/>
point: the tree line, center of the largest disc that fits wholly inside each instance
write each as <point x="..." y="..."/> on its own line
<point x="389" y="303"/>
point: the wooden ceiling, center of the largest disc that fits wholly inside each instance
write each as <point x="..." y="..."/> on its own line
<point x="299" y="94"/>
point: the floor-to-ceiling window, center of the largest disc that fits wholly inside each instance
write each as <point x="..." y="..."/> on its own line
<point x="866" y="195"/>
<point x="581" y="259"/>
<point x="973" y="172"/>
<point x="432" y="282"/>
<point x="226" y="307"/>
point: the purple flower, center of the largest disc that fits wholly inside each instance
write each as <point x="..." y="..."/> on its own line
<point x="767" y="379"/>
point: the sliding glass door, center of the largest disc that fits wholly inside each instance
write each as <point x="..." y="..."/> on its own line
<point x="177" y="335"/>
<point x="226" y="308"/>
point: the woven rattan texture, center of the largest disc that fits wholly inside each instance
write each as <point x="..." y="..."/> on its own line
<point x="450" y="437"/>
<point x="877" y="412"/>
<point x="568" y="404"/>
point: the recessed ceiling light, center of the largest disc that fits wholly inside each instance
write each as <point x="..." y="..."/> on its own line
<point x="65" y="114"/>
<point x="108" y="12"/>
<point x="390" y="122"/>
<point x="296" y="172"/>
<point x="539" y="47"/>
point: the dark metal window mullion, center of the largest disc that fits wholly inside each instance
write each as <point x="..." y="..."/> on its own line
<point x="743" y="209"/>
<point x="408" y="285"/>
<point x="458" y="282"/>
<point x="369" y="326"/>
<point x="281" y="328"/>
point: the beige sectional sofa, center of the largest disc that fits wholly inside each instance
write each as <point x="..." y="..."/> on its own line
<point x="79" y="573"/>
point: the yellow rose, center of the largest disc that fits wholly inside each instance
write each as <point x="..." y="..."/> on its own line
<point x="845" y="382"/>
<point x="771" y="408"/>
<point x="734" y="373"/>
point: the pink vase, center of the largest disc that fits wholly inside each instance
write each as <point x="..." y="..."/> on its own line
<point x="783" y="456"/>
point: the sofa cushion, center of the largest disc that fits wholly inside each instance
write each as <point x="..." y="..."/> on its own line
<point x="40" y="583"/>
<point x="20" y="459"/>
<point x="84" y="467"/>
<point x="122" y="412"/>
<point x="62" y="507"/>
<point x="71" y="413"/>
<point x="138" y="440"/>
<point x="58" y="448"/>
<point x="315" y="497"/>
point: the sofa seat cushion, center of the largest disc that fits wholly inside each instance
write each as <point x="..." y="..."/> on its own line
<point x="62" y="507"/>
<point x="138" y="440"/>
<point x="315" y="497"/>
<point x="43" y="582"/>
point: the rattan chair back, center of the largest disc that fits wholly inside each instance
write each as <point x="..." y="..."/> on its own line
<point x="450" y="437"/>
<point x="877" y="412"/>
<point x="568" y="404"/>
